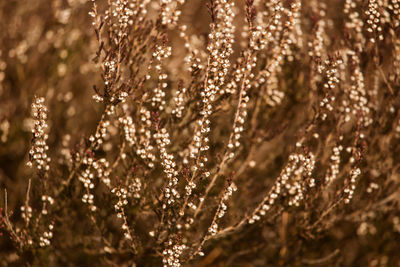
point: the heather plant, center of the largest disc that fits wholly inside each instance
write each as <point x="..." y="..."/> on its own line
<point x="200" y="133"/>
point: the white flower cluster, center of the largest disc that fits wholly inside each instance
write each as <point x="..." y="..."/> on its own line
<point x="135" y="187"/>
<point x="123" y="11"/>
<point x="98" y="98"/>
<point x="274" y="11"/>
<point x="317" y="45"/>
<point x="192" y="58"/>
<point x="349" y="190"/>
<point x="101" y="133"/>
<point x="281" y="41"/>
<point x="170" y="12"/>
<point x="220" y="49"/>
<point x="373" y="21"/>
<point x="332" y="75"/>
<point x="38" y="153"/>
<point x="238" y="124"/>
<point x="169" y="166"/>
<point x="213" y="229"/>
<point x="93" y="168"/>
<point x="179" y="102"/>
<point x="144" y="146"/>
<point x="394" y="7"/>
<point x="26" y="213"/>
<point x="355" y="24"/>
<point x="46" y="199"/>
<point x="296" y="35"/>
<point x="101" y="168"/>
<point x="44" y="240"/>
<point x="301" y="179"/>
<point x="122" y="195"/>
<point x="129" y="129"/>
<point x="357" y="94"/>
<point x="372" y="187"/>
<point x="333" y="170"/>
<point x="172" y="253"/>
<point x="189" y="187"/>
<point x="161" y="53"/>
<point x="242" y="75"/>
<point x="87" y="178"/>
<point x="293" y="181"/>
<point x="110" y="65"/>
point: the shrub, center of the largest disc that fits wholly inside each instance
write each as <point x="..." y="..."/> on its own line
<point x="261" y="133"/>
